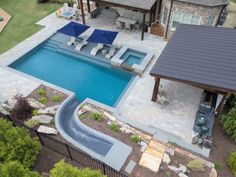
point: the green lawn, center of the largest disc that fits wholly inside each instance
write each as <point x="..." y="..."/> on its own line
<point x="25" y="13"/>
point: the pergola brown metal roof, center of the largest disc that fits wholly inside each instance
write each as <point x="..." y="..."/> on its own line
<point x="143" y="5"/>
<point x="201" y="56"/>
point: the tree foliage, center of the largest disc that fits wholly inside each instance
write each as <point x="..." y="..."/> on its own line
<point x="62" y="169"/>
<point x="229" y="123"/>
<point x="17" y="145"/>
<point x="15" y="169"/>
<point x="232" y="162"/>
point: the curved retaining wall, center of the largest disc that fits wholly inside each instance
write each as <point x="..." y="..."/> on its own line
<point x="105" y="148"/>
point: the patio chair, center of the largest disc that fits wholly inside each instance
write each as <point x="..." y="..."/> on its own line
<point x="72" y="41"/>
<point x="119" y="25"/>
<point x="80" y="45"/>
<point x="65" y="7"/>
<point x="95" y="50"/>
<point x="111" y="52"/>
<point x="128" y="26"/>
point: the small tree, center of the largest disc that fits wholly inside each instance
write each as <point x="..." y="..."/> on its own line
<point x="229" y="123"/>
<point x="62" y="169"/>
<point x="15" y="169"/>
<point x="232" y="162"/>
<point x="16" y="144"/>
<point x="22" y="109"/>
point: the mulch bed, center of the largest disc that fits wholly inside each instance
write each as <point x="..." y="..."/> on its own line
<point x="222" y="147"/>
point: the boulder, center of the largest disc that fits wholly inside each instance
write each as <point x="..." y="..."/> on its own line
<point x="48" y="110"/>
<point x="109" y="116"/>
<point x="43" y="119"/>
<point x="34" y="103"/>
<point x="170" y="151"/>
<point x="47" y="130"/>
<point x="3" y="110"/>
<point x="213" y="172"/>
<point x="166" y="159"/>
<point x="174" y="168"/>
<point x="182" y="168"/>
<point x="181" y="174"/>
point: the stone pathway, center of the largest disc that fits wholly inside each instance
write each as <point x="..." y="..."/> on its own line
<point x="152" y="156"/>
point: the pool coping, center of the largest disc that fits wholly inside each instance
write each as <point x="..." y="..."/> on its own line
<point x="112" y="158"/>
<point x="117" y="60"/>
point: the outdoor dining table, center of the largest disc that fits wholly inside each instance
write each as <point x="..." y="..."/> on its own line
<point x="126" y="20"/>
<point x="69" y="14"/>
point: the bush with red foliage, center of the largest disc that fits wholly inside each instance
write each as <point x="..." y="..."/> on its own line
<point x="22" y="109"/>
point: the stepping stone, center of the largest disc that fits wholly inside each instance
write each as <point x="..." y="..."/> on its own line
<point x="150" y="162"/>
<point x="129" y="168"/>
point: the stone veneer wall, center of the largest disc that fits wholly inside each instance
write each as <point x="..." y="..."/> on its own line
<point x="202" y="11"/>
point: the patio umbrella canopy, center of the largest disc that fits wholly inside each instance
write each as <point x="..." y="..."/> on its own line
<point x="102" y="36"/>
<point x="73" y="29"/>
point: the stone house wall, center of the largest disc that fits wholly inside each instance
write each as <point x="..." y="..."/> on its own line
<point x="202" y="11"/>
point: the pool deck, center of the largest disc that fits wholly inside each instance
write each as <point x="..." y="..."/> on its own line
<point x="172" y="122"/>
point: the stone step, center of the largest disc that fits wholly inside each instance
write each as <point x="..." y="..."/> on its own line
<point x="157" y="146"/>
<point x="154" y="153"/>
<point x="150" y="162"/>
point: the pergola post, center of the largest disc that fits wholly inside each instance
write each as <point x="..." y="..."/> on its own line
<point x="82" y="11"/>
<point x="221" y="103"/>
<point x="143" y="27"/>
<point x="156" y="89"/>
<point x="88" y="6"/>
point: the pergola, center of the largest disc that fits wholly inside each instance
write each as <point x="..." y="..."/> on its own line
<point x="200" y="56"/>
<point x="142" y="6"/>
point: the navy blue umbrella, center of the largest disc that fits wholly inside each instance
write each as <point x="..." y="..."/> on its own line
<point x="73" y="29"/>
<point x="102" y="36"/>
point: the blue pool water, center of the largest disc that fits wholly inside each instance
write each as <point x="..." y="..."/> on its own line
<point x="87" y="79"/>
<point x="131" y="57"/>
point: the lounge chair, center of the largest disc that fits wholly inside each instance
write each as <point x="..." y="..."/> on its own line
<point x="95" y="50"/>
<point x="72" y="41"/>
<point x="80" y="45"/>
<point x="111" y="52"/>
<point x="67" y="12"/>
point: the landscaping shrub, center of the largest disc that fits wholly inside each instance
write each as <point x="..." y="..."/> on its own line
<point x="16" y="144"/>
<point x="97" y="116"/>
<point x="196" y="165"/>
<point x="231" y="101"/>
<point x="41" y="92"/>
<point x="15" y="169"/>
<point x="35" y="112"/>
<point x="31" y="123"/>
<point x="62" y="169"/>
<point x="43" y="100"/>
<point x="229" y="123"/>
<point x="22" y="109"/>
<point x="218" y="166"/>
<point x="135" y="139"/>
<point x="70" y="2"/>
<point x="41" y="1"/>
<point x="231" y="161"/>
<point x="114" y="127"/>
<point x="56" y="98"/>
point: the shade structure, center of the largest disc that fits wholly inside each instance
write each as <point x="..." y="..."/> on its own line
<point x="73" y="29"/>
<point x="102" y="36"/>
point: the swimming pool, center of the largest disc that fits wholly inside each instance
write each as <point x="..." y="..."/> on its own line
<point x="131" y="57"/>
<point x="100" y="82"/>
